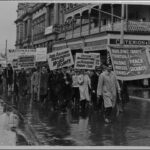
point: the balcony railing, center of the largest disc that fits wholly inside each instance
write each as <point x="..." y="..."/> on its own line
<point x="137" y="26"/>
<point x="67" y="31"/>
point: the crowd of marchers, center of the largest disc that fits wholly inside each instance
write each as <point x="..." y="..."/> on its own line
<point x="68" y="88"/>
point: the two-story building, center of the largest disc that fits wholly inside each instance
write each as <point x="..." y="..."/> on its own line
<point x="91" y="27"/>
<point x="82" y="27"/>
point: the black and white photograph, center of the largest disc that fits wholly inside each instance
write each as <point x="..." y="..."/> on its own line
<point x="75" y="74"/>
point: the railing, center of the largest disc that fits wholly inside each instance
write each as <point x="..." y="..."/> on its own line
<point x="67" y="10"/>
<point x="137" y="26"/>
<point x="67" y="32"/>
<point x="38" y="36"/>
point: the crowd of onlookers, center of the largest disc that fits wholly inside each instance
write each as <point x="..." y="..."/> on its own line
<point x="68" y="87"/>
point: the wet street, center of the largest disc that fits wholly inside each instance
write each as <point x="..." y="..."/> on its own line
<point x="43" y="126"/>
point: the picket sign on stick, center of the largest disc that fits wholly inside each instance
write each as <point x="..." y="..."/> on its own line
<point x="60" y="59"/>
<point x="85" y="61"/>
<point x="26" y="61"/>
<point x="41" y="54"/>
<point x="130" y="63"/>
<point x="21" y="58"/>
<point x="97" y="57"/>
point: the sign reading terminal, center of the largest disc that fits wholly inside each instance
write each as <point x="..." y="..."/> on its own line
<point x="130" y="42"/>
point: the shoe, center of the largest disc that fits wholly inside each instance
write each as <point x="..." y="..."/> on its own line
<point x="121" y="110"/>
<point x="107" y="120"/>
<point x="63" y="112"/>
<point x="110" y="121"/>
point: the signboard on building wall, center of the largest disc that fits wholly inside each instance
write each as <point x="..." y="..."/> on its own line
<point x="41" y="54"/>
<point x="130" y="63"/>
<point x="60" y="59"/>
<point x="131" y="42"/>
<point x="59" y="48"/>
<point x="15" y="53"/>
<point x="48" y="30"/>
<point x="95" y="48"/>
<point x="96" y="45"/>
<point x="85" y="61"/>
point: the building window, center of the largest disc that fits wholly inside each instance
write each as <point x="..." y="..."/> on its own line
<point x="39" y="27"/>
<point x="51" y="15"/>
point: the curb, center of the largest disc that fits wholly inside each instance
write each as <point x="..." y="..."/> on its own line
<point x="30" y="126"/>
<point x="140" y="98"/>
<point x="138" y="88"/>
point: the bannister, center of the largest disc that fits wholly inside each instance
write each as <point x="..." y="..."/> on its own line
<point x="130" y="26"/>
<point x="137" y="26"/>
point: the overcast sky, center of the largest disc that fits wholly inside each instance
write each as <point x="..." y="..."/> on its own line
<point x="8" y="15"/>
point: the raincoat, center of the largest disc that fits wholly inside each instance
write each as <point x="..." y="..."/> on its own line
<point x="43" y="83"/>
<point x="84" y="85"/>
<point x="35" y="78"/>
<point x="22" y="81"/>
<point x="108" y="87"/>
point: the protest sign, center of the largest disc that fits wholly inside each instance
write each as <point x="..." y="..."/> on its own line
<point x="25" y="52"/>
<point x="26" y="61"/>
<point x="3" y="63"/>
<point x="97" y="57"/>
<point x="11" y="55"/>
<point x="130" y="63"/>
<point x="60" y="59"/>
<point x="41" y="54"/>
<point x="15" y="57"/>
<point x="85" y="61"/>
<point x="15" y="53"/>
<point x="15" y="63"/>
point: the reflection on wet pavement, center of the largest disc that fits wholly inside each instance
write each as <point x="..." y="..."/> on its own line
<point x="140" y="93"/>
<point x="88" y="128"/>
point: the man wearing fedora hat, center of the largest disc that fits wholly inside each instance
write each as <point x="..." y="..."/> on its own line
<point x="107" y="89"/>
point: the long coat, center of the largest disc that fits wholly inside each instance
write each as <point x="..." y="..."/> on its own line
<point x="94" y="82"/>
<point x="35" y="79"/>
<point x="67" y="87"/>
<point x="124" y="92"/>
<point x="43" y="83"/>
<point x="22" y="79"/>
<point x="107" y="87"/>
<point x="84" y="85"/>
<point x="9" y="75"/>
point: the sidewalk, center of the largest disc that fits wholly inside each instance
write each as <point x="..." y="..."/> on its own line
<point x="139" y="93"/>
<point x="24" y="129"/>
<point x="138" y="88"/>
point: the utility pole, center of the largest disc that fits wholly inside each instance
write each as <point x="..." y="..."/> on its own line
<point x="6" y="51"/>
<point x="122" y="24"/>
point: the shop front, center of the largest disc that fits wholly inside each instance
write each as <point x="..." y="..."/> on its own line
<point x="133" y="40"/>
<point x="99" y="44"/>
<point x="75" y="46"/>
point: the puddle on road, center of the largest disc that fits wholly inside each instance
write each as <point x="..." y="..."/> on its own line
<point x="140" y="93"/>
<point x="88" y="128"/>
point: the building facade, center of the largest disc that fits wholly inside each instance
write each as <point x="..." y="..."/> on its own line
<point x="81" y="27"/>
<point x="37" y="24"/>
<point x="92" y="27"/>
